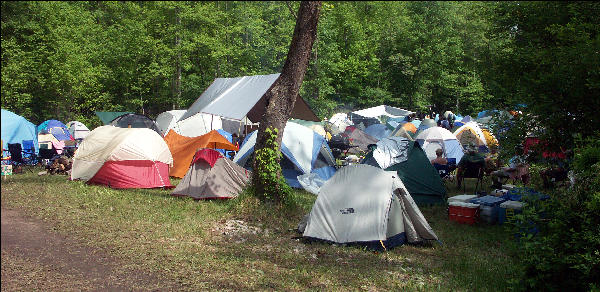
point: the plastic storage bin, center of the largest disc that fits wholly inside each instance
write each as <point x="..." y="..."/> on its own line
<point x="466" y="213"/>
<point x="489" y="206"/>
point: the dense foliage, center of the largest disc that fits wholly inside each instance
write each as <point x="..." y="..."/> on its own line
<point x="560" y="239"/>
<point x="65" y="60"/>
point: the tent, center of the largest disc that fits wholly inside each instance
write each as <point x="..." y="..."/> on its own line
<point x="358" y="138"/>
<point x="378" y="131"/>
<point x="212" y="176"/>
<point x="401" y="132"/>
<point x="315" y="126"/>
<point x="438" y="137"/>
<point x="107" y="117"/>
<point x="240" y="97"/>
<point x="408" y="126"/>
<point x="470" y="133"/>
<point x="413" y="167"/>
<point x="304" y="151"/>
<point x="123" y="158"/>
<point x="16" y="128"/>
<point x="56" y="128"/>
<point x="366" y="205"/>
<point x="135" y="121"/>
<point x="167" y="120"/>
<point x="425" y="124"/>
<point x="183" y="148"/>
<point x="78" y="130"/>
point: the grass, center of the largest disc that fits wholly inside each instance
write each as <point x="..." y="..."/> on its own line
<point x="242" y="244"/>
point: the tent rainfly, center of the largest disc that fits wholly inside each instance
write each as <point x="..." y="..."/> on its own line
<point x="123" y="158"/>
<point x="183" y="148"/>
<point x="366" y="205"/>
<point x="135" y="121"/>
<point x="437" y="137"/>
<point x="56" y="129"/>
<point x="167" y="120"/>
<point x="304" y="151"/>
<point x="16" y="128"/>
<point x="107" y="117"/>
<point x="212" y="176"/>
<point x="236" y="98"/>
<point x="408" y="160"/>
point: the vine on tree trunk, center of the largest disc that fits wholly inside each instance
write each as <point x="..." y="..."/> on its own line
<point x="268" y="170"/>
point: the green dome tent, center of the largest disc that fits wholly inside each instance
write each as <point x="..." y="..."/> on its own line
<point x="413" y="167"/>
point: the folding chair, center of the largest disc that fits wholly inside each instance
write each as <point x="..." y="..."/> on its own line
<point x="45" y="155"/>
<point x="29" y="152"/>
<point x="472" y="170"/>
<point x="16" y="156"/>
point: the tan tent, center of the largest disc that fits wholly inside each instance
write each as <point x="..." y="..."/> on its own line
<point x="212" y="176"/>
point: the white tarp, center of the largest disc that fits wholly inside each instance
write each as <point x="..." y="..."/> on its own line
<point x="231" y="97"/>
<point x="391" y="151"/>
<point x="383" y="110"/>
<point x="362" y="203"/>
<point x="341" y="121"/>
<point x="109" y="143"/>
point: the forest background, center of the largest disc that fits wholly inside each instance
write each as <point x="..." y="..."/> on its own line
<point x="66" y="60"/>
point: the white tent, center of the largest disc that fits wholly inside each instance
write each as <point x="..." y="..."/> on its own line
<point x="383" y="110"/>
<point x="236" y="98"/>
<point x="434" y="138"/>
<point x="304" y="152"/>
<point x="365" y="204"/>
<point x="123" y="157"/>
<point x="470" y="133"/>
<point x="77" y="129"/>
<point x="167" y="120"/>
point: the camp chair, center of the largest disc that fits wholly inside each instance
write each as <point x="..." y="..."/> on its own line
<point x="45" y="154"/>
<point x="29" y="152"/>
<point x="472" y="170"/>
<point x="444" y="171"/>
<point x="16" y="156"/>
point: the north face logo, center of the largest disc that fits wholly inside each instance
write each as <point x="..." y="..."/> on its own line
<point x="347" y="211"/>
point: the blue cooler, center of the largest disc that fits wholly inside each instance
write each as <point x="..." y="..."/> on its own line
<point x="488" y="207"/>
<point x="508" y="209"/>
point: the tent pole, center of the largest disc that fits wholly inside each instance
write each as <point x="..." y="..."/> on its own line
<point x="211" y="121"/>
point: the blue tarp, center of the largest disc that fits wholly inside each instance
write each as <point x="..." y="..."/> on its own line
<point x="16" y="128"/>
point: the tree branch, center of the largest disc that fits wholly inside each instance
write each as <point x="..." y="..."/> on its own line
<point x="289" y="5"/>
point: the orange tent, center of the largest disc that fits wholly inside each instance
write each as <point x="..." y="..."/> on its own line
<point x="183" y="149"/>
<point x="409" y="127"/>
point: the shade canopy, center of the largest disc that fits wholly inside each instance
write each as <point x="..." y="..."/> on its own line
<point x="238" y="97"/>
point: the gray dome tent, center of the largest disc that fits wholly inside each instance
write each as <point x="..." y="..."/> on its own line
<point x="366" y="205"/>
<point x="135" y="121"/>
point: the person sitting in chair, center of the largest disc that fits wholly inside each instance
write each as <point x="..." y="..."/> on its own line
<point x="517" y="169"/>
<point x="439" y="159"/>
<point x="558" y="170"/>
<point x="471" y="158"/>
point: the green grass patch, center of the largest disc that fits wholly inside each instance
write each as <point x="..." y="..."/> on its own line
<point x="243" y="244"/>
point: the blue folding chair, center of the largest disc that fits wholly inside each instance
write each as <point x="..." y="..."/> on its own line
<point x="29" y="155"/>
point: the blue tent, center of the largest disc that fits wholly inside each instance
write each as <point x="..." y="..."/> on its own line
<point x="57" y="129"/>
<point x="227" y="136"/>
<point x="378" y="131"/>
<point x="304" y="151"/>
<point x="16" y="128"/>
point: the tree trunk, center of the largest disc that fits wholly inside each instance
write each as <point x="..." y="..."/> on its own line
<point x="280" y="98"/>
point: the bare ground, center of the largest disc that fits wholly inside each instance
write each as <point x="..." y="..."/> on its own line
<point x="35" y="257"/>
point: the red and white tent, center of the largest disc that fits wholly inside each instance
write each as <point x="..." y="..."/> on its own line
<point x="123" y="158"/>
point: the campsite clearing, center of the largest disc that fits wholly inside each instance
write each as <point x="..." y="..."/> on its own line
<point x="241" y="245"/>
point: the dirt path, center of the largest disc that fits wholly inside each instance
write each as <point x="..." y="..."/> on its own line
<point x="34" y="257"/>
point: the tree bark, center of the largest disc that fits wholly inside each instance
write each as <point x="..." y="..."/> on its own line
<point x="280" y="98"/>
